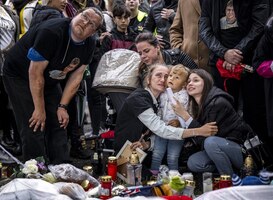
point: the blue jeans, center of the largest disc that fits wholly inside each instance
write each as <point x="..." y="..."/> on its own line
<point x="173" y="148"/>
<point x="220" y="154"/>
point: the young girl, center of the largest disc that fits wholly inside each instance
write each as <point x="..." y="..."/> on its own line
<point x="176" y="81"/>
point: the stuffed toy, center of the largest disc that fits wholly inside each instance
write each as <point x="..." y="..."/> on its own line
<point x="263" y="179"/>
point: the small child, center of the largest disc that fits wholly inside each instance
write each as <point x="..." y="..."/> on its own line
<point x="177" y="81"/>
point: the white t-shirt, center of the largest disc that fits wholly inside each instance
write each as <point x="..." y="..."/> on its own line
<point x="7" y="29"/>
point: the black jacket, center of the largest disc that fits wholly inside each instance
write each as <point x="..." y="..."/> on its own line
<point x="154" y="22"/>
<point x="264" y="52"/>
<point x="218" y="107"/>
<point x="251" y="17"/>
<point x="44" y="13"/>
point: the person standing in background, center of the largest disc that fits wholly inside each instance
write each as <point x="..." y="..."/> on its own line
<point x="9" y="34"/>
<point x="25" y="10"/>
<point x="160" y="19"/>
<point x="262" y="62"/>
<point x="50" y="9"/>
<point x="234" y="45"/>
<point x="184" y="32"/>
<point x="138" y="17"/>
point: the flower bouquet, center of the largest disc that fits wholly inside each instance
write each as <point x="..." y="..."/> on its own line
<point x="33" y="168"/>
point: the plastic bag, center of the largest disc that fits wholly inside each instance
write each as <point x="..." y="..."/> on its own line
<point x="69" y="173"/>
<point x="73" y="190"/>
<point x="29" y="189"/>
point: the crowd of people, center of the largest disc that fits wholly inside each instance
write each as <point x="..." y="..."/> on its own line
<point x="49" y="47"/>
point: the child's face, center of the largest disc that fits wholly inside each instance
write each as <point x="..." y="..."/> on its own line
<point x="175" y="82"/>
<point x="122" y="23"/>
<point x="230" y="14"/>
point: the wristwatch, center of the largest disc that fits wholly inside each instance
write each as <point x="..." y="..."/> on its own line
<point x="64" y="106"/>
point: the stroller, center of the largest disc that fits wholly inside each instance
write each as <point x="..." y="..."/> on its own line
<point x="117" y="74"/>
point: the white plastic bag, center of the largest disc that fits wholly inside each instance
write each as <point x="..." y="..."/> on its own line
<point x="69" y="173"/>
<point x="22" y="189"/>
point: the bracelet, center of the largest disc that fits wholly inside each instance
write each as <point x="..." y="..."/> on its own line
<point x="64" y="106"/>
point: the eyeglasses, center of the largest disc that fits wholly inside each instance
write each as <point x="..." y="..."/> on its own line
<point x="91" y="24"/>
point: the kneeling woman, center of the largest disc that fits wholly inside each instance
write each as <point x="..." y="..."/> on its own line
<point x="208" y="103"/>
<point x="138" y="114"/>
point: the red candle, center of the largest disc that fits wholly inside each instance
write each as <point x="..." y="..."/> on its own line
<point x="112" y="168"/>
<point x="106" y="187"/>
<point x="225" y="181"/>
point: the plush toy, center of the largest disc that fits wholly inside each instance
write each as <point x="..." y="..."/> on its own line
<point x="263" y="179"/>
<point x="177" y="184"/>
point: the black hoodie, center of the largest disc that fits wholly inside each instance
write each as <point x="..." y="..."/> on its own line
<point x="218" y="107"/>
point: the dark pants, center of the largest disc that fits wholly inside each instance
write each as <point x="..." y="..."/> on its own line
<point x="74" y="129"/>
<point x="117" y="99"/>
<point x="97" y="107"/>
<point x="52" y="142"/>
<point x="7" y="121"/>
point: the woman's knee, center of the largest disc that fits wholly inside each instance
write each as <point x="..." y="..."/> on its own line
<point x="192" y="164"/>
<point x="211" y="142"/>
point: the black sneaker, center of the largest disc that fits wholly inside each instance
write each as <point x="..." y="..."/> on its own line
<point x="80" y="153"/>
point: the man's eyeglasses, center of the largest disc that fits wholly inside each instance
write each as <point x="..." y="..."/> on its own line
<point x="91" y="24"/>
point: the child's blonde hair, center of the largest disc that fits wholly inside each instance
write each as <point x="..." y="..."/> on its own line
<point x="181" y="71"/>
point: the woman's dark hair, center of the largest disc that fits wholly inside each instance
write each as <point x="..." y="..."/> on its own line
<point x="208" y="84"/>
<point x="147" y="37"/>
<point x="120" y="10"/>
<point x="152" y="40"/>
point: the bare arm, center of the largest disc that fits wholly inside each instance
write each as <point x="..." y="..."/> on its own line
<point x="206" y="130"/>
<point x="70" y="90"/>
<point x="36" y="84"/>
<point x="158" y="127"/>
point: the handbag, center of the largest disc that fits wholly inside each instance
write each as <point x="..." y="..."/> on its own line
<point x="255" y="147"/>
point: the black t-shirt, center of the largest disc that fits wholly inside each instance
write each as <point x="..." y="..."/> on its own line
<point x="136" y="25"/>
<point x="51" y="40"/>
<point x="128" y="126"/>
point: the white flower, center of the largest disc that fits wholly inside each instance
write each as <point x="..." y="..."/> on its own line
<point x="30" y="169"/>
<point x="31" y="162"/>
